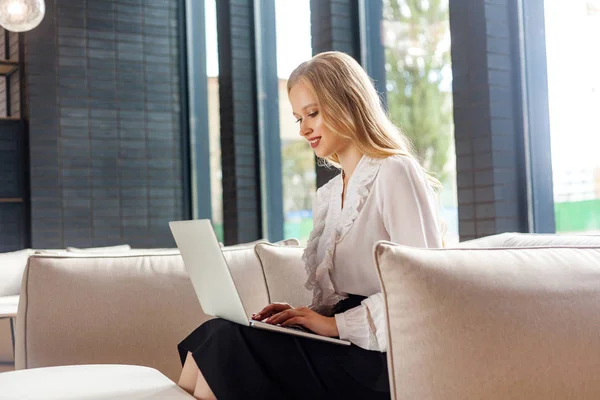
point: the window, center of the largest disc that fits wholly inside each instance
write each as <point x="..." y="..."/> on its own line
<point x="574" y="101"/>
<point x="416" y="36"/>
<point x="212" y="71"/>
<point x="297" y="158"/>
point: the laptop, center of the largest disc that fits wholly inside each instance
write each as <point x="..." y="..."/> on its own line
<point x="213" y="282"/>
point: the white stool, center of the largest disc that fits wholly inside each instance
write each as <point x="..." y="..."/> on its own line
<point x="8" y="309"/>
<point x="105" y="381"/>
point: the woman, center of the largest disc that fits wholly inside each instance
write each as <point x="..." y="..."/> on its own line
<point x="382" y="193"/>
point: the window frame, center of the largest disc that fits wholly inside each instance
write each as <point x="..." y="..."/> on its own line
<point x="536" y="116"/>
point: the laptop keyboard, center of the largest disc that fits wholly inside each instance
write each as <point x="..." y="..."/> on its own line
<point x="294" y="327"/>
<point x="298" y="328"/>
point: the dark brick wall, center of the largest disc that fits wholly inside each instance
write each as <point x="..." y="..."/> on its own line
<point x="104" y="106"/>
<point x="334" y="26"/>
<point x="239" y="126"/>
<point x="492" y="194"/>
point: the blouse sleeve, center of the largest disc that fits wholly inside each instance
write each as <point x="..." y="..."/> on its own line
<point x="408" y="210"/>
<point x="408" y="205"/>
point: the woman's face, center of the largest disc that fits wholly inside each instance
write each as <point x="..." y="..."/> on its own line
<point x="308" y="115"/>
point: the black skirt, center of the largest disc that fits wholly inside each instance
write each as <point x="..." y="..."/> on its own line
<point x="240" y="362"/>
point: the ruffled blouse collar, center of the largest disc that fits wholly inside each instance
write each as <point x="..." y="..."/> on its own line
<point x="319" y="265"/>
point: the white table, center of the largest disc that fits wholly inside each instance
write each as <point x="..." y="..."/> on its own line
<point x="9" y="306"/>
<point x="8" y="309"/>
<point x="106" y="381"/>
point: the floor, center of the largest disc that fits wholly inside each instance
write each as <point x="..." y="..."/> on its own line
<point x="6" y="368"/>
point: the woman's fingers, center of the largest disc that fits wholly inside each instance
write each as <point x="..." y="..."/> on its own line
<point x="265" y="312"/>
<point x="270" y="310"/>
<point x="278" y="318"/>
<point x="274" y="317"/>
<point x="295" y="321"/>
<point x="284" y="316"/>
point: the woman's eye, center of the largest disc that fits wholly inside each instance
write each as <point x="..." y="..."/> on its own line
<point x="312" y="115"/>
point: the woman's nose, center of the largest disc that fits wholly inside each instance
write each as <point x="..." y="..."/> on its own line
<point x="304" y="129"/>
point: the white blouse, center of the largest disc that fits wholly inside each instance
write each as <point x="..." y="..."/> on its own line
<point x="386" y="199"/>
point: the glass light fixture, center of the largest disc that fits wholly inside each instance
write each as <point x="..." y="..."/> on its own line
<point x="21" y="15"/>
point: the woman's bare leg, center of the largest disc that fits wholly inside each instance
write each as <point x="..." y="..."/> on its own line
<point x="192" y="380"/>
<point x="203" y="391"/>
<point x="189" y="374"/>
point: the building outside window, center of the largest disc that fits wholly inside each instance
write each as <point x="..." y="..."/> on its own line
<point x="212" y="72"/>
<point x="574" y="100"/>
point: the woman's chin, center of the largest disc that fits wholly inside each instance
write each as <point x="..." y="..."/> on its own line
<point x="322" y="153"/>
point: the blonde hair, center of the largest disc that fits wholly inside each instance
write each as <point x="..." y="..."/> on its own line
<point x="352" y="109"/>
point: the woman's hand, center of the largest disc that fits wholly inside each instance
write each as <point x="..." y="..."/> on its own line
<point x="307" y="318"/>
<point x="270" y="310"/>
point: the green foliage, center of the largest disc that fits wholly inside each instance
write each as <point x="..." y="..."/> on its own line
<point x="299" y="175"/>
<point x="414" y="64"/>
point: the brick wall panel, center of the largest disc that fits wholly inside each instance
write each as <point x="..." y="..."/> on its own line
<point x="90" y="69"/>
<point x="239" y="126"/>
<point x="488" y="134"/>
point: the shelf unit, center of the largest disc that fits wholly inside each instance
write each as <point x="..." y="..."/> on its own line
<point x="8" y="67"/>
<point x="14" y="175"/>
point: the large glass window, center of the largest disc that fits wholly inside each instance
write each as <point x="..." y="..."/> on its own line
<point x="298" y="161"/>
<point x="416" y="36"/>
<point x="573" y="58"/>
<point x="212" y="72"/>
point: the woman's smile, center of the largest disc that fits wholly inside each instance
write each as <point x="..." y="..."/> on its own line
<point x="314" y="142"/>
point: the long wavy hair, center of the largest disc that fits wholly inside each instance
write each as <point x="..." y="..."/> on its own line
<point x="352" y="109"/>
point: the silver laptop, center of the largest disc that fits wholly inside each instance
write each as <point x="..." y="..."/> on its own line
<point x="212" y="280"/>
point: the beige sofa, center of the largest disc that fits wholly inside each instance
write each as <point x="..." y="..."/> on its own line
<point x="130" y="308"/>
<point x="135" y="308"/>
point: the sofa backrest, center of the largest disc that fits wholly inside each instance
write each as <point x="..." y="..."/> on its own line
<point x="285" y="274"/>
<point x="550" y="240"/>
<point x="125" y="309"/>
<point x="514" y="239"/>
<point x="498" y="323"/>
<point x="485" y="242"/>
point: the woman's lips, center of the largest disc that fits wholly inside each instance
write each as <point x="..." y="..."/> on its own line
<point x="314" y="142"/>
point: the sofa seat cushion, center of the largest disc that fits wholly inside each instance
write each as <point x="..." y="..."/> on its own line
<point x="90" y="382"/>
<point x="492" y="323"/>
